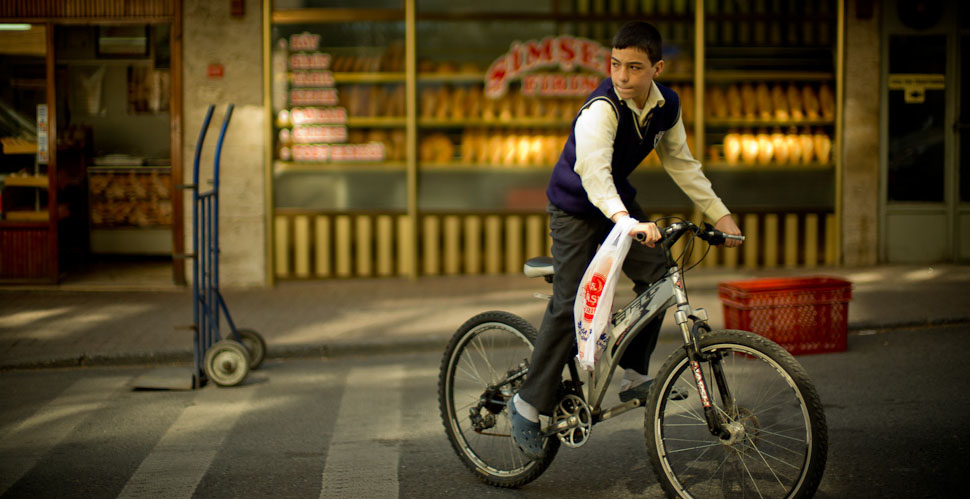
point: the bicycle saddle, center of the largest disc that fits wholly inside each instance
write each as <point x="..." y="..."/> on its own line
<point x="540" y="266"/>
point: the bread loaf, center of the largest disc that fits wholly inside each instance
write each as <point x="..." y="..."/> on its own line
<point x="795" y="101"/>
<point x="749" y="148"/>
<point x="766" y="149"/>
<point x="780" y="103"/>
<point x="749" y="101"/>
<point x="808" y="146"/>
<point x="474" y="102"/>
<point x="717" y="102"/>
<point x="443" y="103"/>
<point x="826" y="101"/>
<point x="794" y="146"/>
<point x="823" y="146"/>
<point x="780" y="146"/>
<point x="459" y="103"/>
<point x="732" y="148"/>
<point x="429" y="101"/>
<point x="735" y="106"/>
<point x="765" y="107"/>
<point x="810" y="102"/>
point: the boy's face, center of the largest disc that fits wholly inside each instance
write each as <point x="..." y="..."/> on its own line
<point x="633" y="74"/>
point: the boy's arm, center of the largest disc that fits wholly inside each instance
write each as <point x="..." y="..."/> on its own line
<point x="595" y="131"/>
<point x="686" y="171"/>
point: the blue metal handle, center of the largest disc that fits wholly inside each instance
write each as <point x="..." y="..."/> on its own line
<point x="222" y="135"/>
<point x="198" y="147"/>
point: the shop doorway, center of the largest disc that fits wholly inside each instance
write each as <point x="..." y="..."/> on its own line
<point x="114" y="88"/>
<point x="924" y="192"/>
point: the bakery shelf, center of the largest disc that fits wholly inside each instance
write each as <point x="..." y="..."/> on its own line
<point x="513" y="123"/>
<point x="451" y="77"/>
<point x="308" y="166"/>
<point x="376" y="77"/>
<point x="12" y="145"/>
<point x="40" y="181"/>
<point x="483" y="167"/>
<point x="748" y="167"/>
<point x="377" y="122"/>
<point x="757" y="75"/>
<point x="758" y="122"/>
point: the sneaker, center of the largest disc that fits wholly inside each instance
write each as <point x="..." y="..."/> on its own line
<point x="526" y="434"/>
<point x="642" y="390"/>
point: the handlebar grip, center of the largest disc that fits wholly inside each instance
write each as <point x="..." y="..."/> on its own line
<point x="640" y="236"/>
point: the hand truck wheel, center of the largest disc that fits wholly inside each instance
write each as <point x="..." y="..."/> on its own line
<point x="227" y="363"/>
<point x="255" y="345"/>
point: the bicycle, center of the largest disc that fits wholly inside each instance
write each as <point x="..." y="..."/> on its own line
<point x="751" y="423"/>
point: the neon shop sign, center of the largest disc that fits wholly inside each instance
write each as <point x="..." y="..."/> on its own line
<point x="565" y="53"/>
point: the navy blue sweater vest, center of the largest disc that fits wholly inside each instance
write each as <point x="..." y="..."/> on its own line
<point x="631" y="145"/>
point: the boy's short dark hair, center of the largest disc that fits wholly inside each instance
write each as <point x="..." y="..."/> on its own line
<point x="643" y="36"/>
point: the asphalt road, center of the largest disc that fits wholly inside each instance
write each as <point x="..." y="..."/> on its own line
<point x="896" y="404"/>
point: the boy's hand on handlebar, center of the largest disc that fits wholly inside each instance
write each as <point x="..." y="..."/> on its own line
<point x="726" y="225"/>
<point x="651" y="234"/>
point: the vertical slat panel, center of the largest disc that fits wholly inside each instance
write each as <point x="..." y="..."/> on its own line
<point x="364" y="258"/>
<point x="534" y="238"/>
<point x="811" y="240"/>
<point x="385" y="245"/>
<point x="405" y="246"/>
<point x="323" y="243"/>
<point x="493" y="244"/>
<point x="770" y="241"/>
<point x="712" y="257"/>
<point x="791" y="240"/>
<point x="452" y="234"/>
<point x="343" y="240"/>
<point x="831" y="241"/>
<point x="431" y="235"/>
<point x="548" y="236"/>
<point x="473" y="244"/>
<point x="282" y="246"/>
<point x="513" y="244"/>
<point x="301" y="246"/>
<point x="752" y="242"/>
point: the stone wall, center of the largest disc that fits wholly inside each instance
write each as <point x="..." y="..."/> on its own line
<point x="212" y="36"/>
<point x="860" y="137"/>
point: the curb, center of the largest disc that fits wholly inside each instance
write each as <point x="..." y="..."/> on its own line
<point x="365" y="348"/>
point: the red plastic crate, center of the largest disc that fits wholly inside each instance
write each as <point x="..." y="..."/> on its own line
<point x="803" y="314"/>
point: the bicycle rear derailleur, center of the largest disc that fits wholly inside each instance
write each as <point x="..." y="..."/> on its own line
<point x="495" y="398"/>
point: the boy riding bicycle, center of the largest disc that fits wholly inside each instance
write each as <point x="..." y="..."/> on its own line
<point x="624" y="119"/>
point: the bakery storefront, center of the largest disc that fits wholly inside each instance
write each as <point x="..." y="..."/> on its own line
<point x="86" y="172"/>
<point x="417" y="138"/>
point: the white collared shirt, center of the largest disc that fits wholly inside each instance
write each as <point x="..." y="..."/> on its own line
<point x="595" y="131"/>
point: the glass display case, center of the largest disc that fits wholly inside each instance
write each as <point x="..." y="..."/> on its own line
<point x="28" y="184"/>
<point x="459" y="110"/>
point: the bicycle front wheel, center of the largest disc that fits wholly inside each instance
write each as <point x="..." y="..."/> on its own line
<point x="776" y="441"/>
<point x="485" y="363"/>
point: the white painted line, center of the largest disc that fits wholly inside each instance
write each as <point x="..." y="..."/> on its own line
<point x="24" y="445"/>
<point x="363" y="457"/>
<point x="182" y="456"/>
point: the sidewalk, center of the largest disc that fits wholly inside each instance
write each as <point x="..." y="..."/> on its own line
<point x="70" y="326"/>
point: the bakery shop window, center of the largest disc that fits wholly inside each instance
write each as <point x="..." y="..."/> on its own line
<point x="338" y="94"/>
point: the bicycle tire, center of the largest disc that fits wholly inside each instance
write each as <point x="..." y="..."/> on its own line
<point x="487" y="347"/>
<point x="780" y="452"/>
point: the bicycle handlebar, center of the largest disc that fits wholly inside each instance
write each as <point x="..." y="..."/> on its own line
<point x="672" y="232"/>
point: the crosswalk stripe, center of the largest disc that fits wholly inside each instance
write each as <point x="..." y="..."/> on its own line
<point x="363" y="457"/>
<point x="182" y="456"/>
<point x="24" y="445"/>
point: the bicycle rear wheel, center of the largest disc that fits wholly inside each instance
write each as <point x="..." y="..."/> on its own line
<point x="778" y="437"/>
<point x="483" y="366"/>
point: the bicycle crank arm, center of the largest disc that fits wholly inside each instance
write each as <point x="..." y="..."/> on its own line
<point x="616" y="410"/>
<point x="564" y="425"/>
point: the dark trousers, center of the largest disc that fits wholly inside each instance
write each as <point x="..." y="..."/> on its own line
<point x="574" y="243"/>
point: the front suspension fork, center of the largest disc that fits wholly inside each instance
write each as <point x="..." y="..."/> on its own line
<point x="715" y="422"/>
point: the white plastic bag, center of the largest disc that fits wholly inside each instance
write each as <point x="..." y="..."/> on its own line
<point x="594" y="298"/>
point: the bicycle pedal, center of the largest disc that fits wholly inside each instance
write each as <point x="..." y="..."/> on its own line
<point x="542" y="296"/>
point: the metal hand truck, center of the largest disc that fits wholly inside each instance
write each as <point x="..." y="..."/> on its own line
<point x="227" y="361"/>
